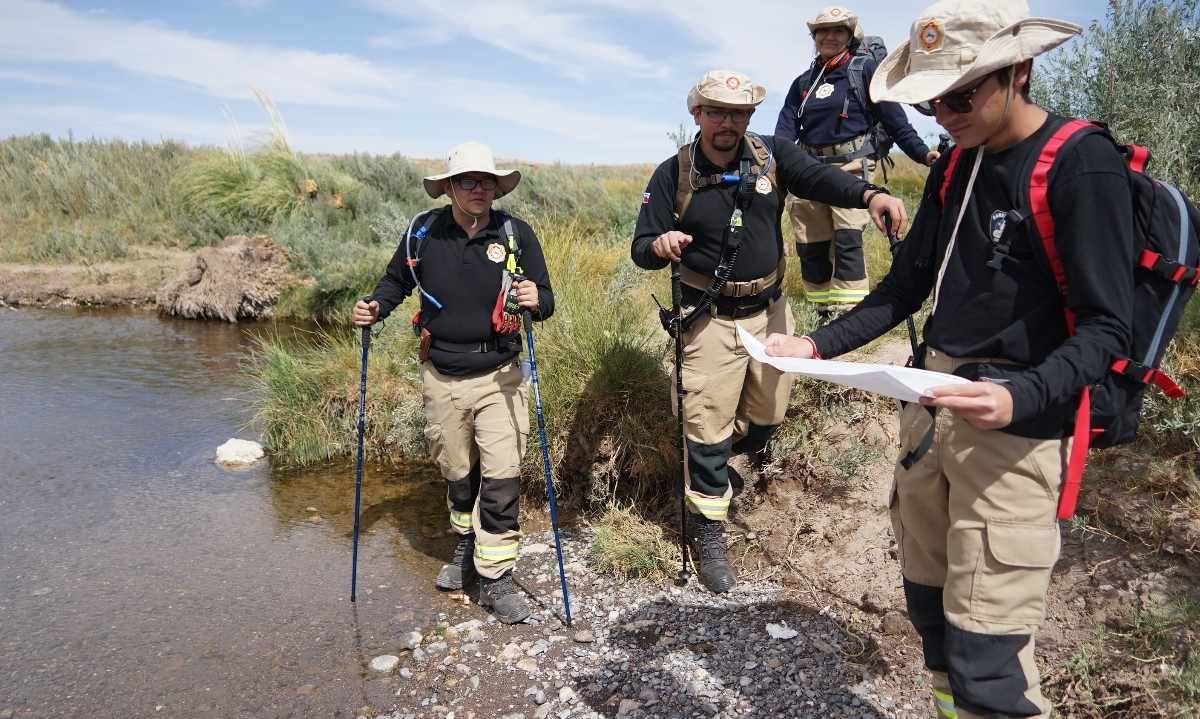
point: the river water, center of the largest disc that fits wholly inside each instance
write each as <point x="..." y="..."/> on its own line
<point x="137" y="578"/>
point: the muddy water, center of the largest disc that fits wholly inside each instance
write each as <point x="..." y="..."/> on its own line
<point x="137" y="578"/>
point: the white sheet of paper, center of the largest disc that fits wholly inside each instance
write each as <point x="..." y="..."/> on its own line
<point x="903" y="383"/>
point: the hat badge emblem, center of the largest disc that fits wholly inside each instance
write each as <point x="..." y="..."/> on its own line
<point x="835" y="12"/>
<point x="931" y="36"/>
<point x="732" y="83"/>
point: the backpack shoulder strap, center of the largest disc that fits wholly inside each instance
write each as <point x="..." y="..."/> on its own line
<point x="764" y="157"/>
<point x="854" y="73"/>
<point x="513" y="264"/>
<point x="683" y="184"/>
<point x="414" y="250"/>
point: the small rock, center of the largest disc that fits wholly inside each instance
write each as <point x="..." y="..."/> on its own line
<point x="535" y="548"/>
<point x="893" y="623"/>
<point x="468" y="626"/>
<point x="437" y="648"/>
<point x="419" y="655"/>
<point x="781" y="631"/>
<point x="584" y="636"/>
<point x="527" y="665"/>
<point x="627" y="706"/>
<point x="510" y="652"/>
<point x="474" y="682"/>
<point x="412" y="640"/>
<point x="384" y="663"/>
<point x="239" y="453"/>
<point x="566" y="695"/>
<point x="405" y="673"/>
<point x="539" y="697"/>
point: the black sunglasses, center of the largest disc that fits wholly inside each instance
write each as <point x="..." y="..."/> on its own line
<point x="959" y="102"/>
<point x="469" y="183"/>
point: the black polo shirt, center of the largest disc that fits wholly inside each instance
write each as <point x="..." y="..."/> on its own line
<point x="1015" y="312"/>
<point x="465" y="276"/>
<point x="708" y="213"/>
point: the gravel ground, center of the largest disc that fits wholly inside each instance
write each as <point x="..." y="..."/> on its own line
<point x="634" y="649"/>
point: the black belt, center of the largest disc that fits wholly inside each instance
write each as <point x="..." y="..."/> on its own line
<point x="491" y="344"/>
<point x="731" y="309"/>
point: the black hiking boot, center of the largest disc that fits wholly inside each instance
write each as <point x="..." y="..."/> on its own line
<point x="503" y="598"/>
<point x="708" y="543"/>
<point x="461" y="569"/>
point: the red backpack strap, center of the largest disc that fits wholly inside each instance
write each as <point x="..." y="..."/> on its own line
<point x="948" y="173"/>
<point x="1138" y="157"/>
<point x="1039" y="206"/>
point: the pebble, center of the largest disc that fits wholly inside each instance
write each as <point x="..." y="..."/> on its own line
<point x="527" y="665"/>
<point x="584" y="636"/>
<point x="411" y="640"/>
<point x="384" y="663"/>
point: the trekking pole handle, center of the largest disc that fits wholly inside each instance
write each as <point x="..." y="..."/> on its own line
<point x="366" y="330"/>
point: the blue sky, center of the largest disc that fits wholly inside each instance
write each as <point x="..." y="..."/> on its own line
<point x="590" y="81"/>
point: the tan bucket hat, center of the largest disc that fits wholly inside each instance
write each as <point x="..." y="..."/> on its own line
<point x="837" y="16"/>
<point x="472" y="157"/>
<point x="955" y="42"/>
<point x="725" y="88"/>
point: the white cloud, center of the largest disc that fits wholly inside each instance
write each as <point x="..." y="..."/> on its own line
<point x="568" y="42"/>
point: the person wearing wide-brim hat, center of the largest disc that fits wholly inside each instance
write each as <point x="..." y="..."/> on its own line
<point x="982" y="463"/>
<point x="723" y="190"/>
<point x="829" y="113"/>
<point x="476" y="269"/>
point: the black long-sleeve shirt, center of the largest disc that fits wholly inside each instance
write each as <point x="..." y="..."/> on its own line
<point x="1016" y="313"/>
<point x="708" y="212"/>
<point x="465" y="275"/>
<point x="822" y="124"/>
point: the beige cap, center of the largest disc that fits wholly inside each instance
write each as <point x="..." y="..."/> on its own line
<point x="725" y="88"/>
<point x="472" y="157"/>
<point x="955" y="42"/>
<point x="837" y="16"/>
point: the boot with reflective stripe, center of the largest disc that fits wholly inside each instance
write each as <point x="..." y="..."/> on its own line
<point x="708" y="543"/>
<point x="461" y="568"/>
<point x="503" y="598"/>
<point x="945" y="705"/>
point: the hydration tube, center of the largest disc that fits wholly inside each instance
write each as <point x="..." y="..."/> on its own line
<point x="412" y="263"/>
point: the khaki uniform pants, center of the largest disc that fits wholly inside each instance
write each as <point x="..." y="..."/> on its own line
<point x="975" y="518"/>
<point x="476" y="430"/>
<point x="727" y="393"/>
<point x="829" y="243"/>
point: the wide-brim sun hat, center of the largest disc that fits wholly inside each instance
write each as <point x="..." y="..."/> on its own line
<point x="837" y="16"/>
<point x="955" y="42"/>
<point x="472" y="157"/>
<point x="726" y="88"/>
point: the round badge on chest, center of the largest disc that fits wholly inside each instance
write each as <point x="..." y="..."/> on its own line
<point x="824" y="91"/>
<point x="496" y="253"/>
<point x="762" y="185"/>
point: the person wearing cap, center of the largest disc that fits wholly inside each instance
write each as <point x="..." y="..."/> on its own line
<point x="728" y="186"/>
<point x="827" y="118"/>
<point x="976" y="489"/>
<point x="476" y="398"/>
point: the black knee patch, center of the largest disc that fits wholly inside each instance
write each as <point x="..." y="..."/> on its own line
<point x="707" y="462"/>
<point x="755" y="440"/>
<point x="928" y="617"/>
<point x="848" y="250"/>
<point x="462" y="492"/>
<point x="985" y="674"/>
<point x="815" y="264"/>
<point x="498" y="505"/>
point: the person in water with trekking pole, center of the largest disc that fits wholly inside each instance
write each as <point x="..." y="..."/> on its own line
<point x="715" y="208"/>
<point x="1025" y="238"/>
<point x="830" y="115"/>
<point x="476" y="270"/>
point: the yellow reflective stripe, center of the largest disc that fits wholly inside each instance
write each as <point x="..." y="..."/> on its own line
<point x="817" y="295"/>
<point x="945" y="705"/>
<point x="496" y="552"/>
<point x="512" y="252"/>
<point x="711" y="508"/>
<point x="848" y="294"/>
<point x="460" y="519"/>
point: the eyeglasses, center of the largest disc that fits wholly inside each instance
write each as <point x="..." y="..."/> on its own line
<point x="721" y="114"/>
<point x="959" y="102"/>
<point x="469" y="183"/>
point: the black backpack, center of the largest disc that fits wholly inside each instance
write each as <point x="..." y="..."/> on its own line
<point x="871" y="47"/>
<point x="1167" y="256"/>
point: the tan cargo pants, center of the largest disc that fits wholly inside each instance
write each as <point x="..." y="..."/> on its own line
<point x="830" y="246"/>
<point x="975" y="523"/>
<point x="476" y="429"/>
<point x="727" y="395"/>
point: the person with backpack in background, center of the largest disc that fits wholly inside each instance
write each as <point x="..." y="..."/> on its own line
<point x="714" y="208"/>
<point x="829" y="112"/>
<point x="476" y="269"/>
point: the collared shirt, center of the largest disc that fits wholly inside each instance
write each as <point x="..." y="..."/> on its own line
<point x="1015" y="313"/>
<point x="821" y="124"/>
<point x="708" y="213"/>
<point x="465" y="276"/>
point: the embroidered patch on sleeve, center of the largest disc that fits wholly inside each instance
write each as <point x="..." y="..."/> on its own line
<point x="645" y="198"/>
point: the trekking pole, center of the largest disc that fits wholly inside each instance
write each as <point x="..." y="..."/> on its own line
<point x="677" y="309"/>
<point x="527" y="319"/>
<point x="894" y="246"/>
<point x="358" y="463"/>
